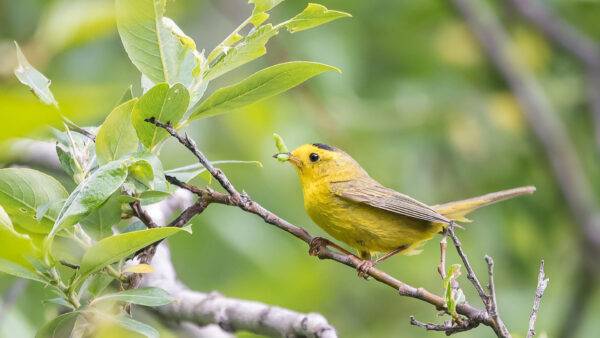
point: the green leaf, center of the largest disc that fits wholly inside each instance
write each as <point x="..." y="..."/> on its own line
<point x="158" y="184"/>
<point x="127" y="199"/>
<point x="189" y="172"/>
<point x="117" y="136"/>
<point x="127" y="95"/>
<point x="39" y="84"/>
<point x="112" y="249"/>
<point x="98" y="224"/>
<point x="11" y="268"/>
<point x="264" y="5"/>
<point x="136" y="326"/>
<point x="23" y="191"/>
<point x="58" y="301"/>
<point x="141" y="171"/>
<point x="155" y="45"/>
<point x="67" y="161"/>
<point x="58" y="327"/>
<point x="313" y="15"/>
<point x="148" y="296"/>
<point x="166" y="105"/>
<point x="452" y="293"/>
<point x="90" y="194"/>
<point x="260" y="85"/>
<point x="135" y="226"/>
<point x="18" y="249"/>
<point x="153" y="196"/>
<point x="251" y="48"/>
<point x="283" y="155"/>
<point x="43" y="209"/>
<point x="97" y="283"/>
<point x="453" y="273"/>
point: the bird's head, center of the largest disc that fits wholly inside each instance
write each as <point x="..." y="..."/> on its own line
<point x="316" y="162"/>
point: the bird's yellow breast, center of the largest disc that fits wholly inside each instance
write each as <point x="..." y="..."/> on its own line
<point x="361" y="226"/>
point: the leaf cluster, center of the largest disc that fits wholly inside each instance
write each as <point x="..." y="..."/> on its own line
<point x="78" y="243"/>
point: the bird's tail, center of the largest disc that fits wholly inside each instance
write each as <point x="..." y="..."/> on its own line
<point x="459" y="209"/>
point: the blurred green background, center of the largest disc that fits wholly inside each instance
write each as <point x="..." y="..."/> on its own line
<point x="418" y="105"/>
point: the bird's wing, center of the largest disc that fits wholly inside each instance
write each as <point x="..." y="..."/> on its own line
<point x="369" y="192"/>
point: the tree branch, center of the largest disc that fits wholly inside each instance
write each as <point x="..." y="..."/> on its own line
<point x="229" y="314"/>
<point x="539" y="292"/>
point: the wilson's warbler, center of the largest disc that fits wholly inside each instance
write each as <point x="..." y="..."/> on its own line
<point x="352" y="207"/>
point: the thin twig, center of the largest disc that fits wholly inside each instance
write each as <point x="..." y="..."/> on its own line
<point x="142" y="215"/>
<point x="78" y="129"/>
<point x="191" y="145"/>
<point x="470" y="273"/>
<point x="69" y="265"/>
<point x="145" y="254"/>
<point x="493" y="308"/>
<point x="448" y="328"/>
<point x="539" y="292"/>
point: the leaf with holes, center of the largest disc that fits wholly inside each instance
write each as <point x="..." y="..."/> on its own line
<point x="91" y="194"/>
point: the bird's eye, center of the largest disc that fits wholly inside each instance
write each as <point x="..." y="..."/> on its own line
<point x="314" y="157"/>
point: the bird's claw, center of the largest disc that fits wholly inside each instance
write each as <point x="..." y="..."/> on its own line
<point x="363" y="268"/>
<point x="316" y="244"/>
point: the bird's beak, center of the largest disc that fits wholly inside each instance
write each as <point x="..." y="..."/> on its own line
<point x="287" y="157"/>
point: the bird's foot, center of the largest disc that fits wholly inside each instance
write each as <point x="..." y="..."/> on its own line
<point x="363" y="268"/>
<point x="317" y="243"/>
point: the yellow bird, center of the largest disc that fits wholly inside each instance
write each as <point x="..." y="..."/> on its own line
<point x="341" y="197"/>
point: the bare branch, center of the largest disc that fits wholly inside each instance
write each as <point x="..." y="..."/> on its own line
<point x="488" y="300"/>
<point x="493" y="305"/>
<point x="539" y="292"/>
<point x="230" y="314"/>
<point x="470" y="273"/>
